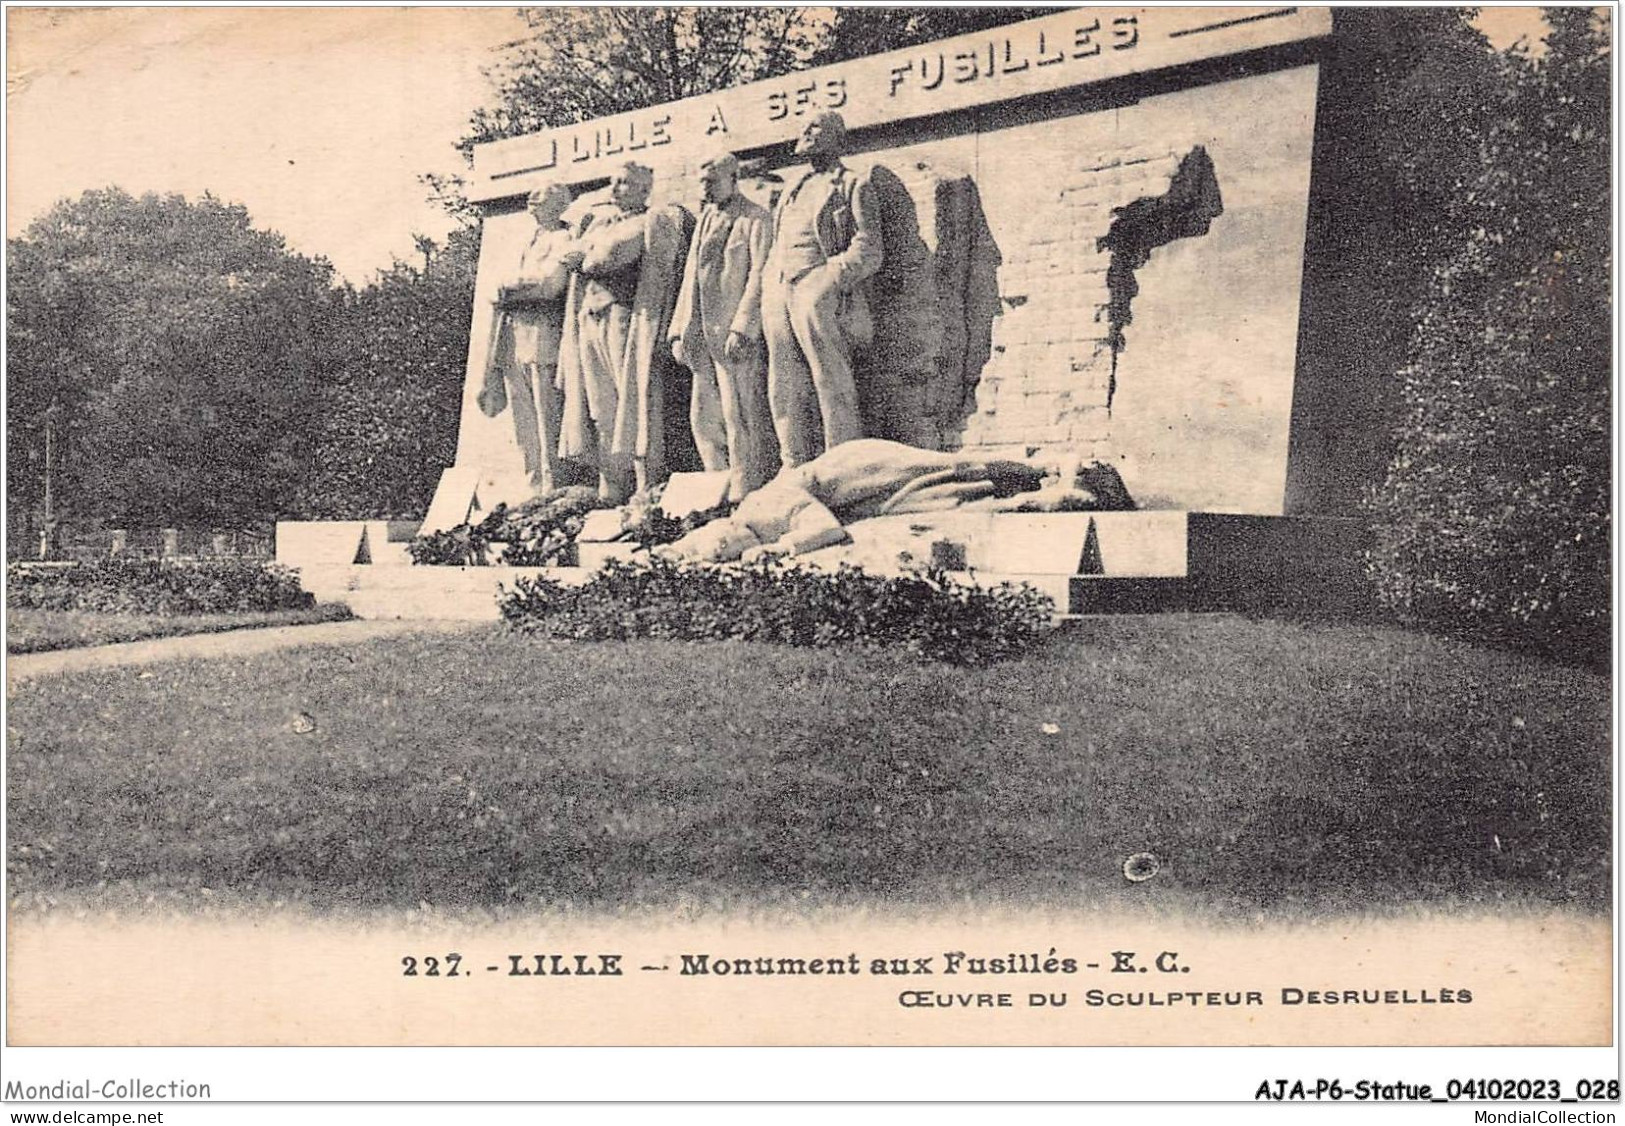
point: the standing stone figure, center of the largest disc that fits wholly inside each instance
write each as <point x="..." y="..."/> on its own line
<point x="612" y="357"/>
<point x="826" y="244"/>
<point x="717" y="331"/>
<point x="522" y="367"/>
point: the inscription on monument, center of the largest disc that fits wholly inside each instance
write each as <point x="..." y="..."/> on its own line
<point x="1070" y="48"/>
<point x="1013" y="54"/>
<point x="811" y="97"/>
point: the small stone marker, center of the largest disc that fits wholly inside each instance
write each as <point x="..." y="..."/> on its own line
<point x="688" y="493"/>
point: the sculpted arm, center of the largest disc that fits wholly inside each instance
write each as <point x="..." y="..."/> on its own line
<point x="862" y="258"/>
<point x="747" y="321"/>
<point x="554" y="276"/>
<point x="809" y="528"/>
<point x="613" y="249"/>
<point x="545" y="279"/>
<point x="685" y="321"/>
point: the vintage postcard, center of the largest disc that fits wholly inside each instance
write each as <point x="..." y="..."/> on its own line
<point x="641" y="527"/>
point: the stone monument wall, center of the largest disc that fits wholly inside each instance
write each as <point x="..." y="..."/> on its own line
<point x="1095" y="235"/>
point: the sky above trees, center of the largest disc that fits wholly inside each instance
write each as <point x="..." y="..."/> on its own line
<point x="319" y="120"/>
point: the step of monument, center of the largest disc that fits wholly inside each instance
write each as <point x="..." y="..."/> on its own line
<point x="389" y="554"/>
<point x="435" y="594"/>
<point x="1103" y="594"/>
<point x="1129" y="544"/>
<point x="1142" y="563"/>
<point x="480" y="607"/>
<point x="450" y="593"/>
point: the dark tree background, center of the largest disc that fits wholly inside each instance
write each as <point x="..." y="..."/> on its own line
<point x="1493" y="514"/>
<point x="182" y="348"/>
<point x="574" y="64"/>
<point x="386" y="419"/>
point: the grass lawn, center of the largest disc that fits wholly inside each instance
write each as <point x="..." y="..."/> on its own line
<point x="35" y="631"/>
<point x="1270" y="767"/>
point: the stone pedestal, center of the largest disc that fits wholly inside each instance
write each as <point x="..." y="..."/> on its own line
<point x="1101" y="562"/>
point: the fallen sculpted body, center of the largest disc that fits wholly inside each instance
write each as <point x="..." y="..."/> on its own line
<point x="804" y="508"/>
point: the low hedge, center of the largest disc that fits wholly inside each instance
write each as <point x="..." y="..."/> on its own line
<point x="928" y="614"/>
<point x="152" y="587"/>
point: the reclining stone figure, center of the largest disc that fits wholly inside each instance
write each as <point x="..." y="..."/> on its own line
<point x="806" y="507"/>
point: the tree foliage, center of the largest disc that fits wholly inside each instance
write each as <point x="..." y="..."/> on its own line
<point x="1495" y="509"/>
<point x="386" y="419"/>
<point x="575" y="64"/>
<point x="859" y="29"/>
<point x="205" y="376"/>
<point x="180" y="347"/>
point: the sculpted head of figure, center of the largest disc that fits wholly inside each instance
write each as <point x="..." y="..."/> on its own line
<point x="629" y="187"/>
<point x="824" y="136"/>
<point x="719" y="178"/>
<point x="547" y="204"/>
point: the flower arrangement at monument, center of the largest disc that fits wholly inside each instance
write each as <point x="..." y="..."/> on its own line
<point x="542" y="532"/>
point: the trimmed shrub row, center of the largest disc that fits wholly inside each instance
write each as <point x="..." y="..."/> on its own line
<point x="151" y="587"/>
<point x="929" y="615"/>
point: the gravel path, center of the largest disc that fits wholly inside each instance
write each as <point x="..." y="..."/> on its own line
<point x="26" y="666"/>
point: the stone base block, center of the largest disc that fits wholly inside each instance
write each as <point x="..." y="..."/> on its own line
<point x="307" y="543"/>
<point x="383" y="542"/>
<point x="426" y="593"/>
<point x="687" y="493"/>
<point x="602" y="525"/>
<point x="1060" y="543"/>
<point x="1089" y="563"/>
<point x="315" y="543"/>
<point x="1131" y="562"/>
<point x="468" y="493"/>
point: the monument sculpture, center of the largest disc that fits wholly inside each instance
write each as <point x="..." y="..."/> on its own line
<point x="522" y="367"/>
<point x="805" y="508"/>
<point x="716" y="331"/>
<point x="827" y="242"/>
<point x="612" y="355"/>
<point x="1077" y="237"/>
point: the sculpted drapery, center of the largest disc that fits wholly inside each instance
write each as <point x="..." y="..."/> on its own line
<point x="613" y="357"/>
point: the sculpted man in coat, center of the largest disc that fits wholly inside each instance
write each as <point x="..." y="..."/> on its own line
<point x="826" y="244"/>
<point x="717" y="332"/>
<point x="612" y="359"/>
<point x="521" y="369"/>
